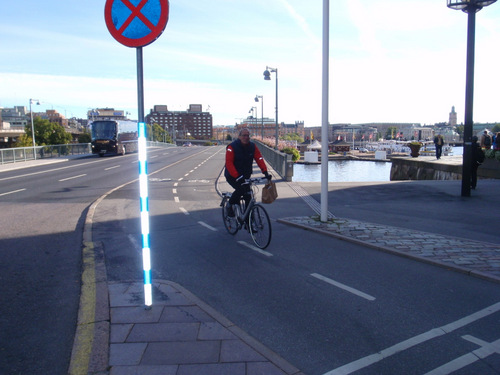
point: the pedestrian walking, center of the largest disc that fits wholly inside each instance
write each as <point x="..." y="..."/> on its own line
<point x="439" y="142"/>
<point x="486" y="140"/>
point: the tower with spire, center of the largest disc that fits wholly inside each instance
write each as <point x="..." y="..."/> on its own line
<point x="453" y="117"/>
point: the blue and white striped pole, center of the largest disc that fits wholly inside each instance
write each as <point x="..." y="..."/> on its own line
<point x="143" y="183"/>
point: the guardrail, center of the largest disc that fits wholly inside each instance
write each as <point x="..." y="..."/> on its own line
<point x="282" y="163"/>
<point x="21" y="154"/>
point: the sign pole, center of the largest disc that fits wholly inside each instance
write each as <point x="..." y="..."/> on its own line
<point x="140" y="85"/>
<point x="143" y="184"/>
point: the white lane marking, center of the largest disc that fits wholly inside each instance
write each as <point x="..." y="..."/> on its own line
<point x="71" y="178"/>
<point x="184" y="211"/>
<point x="12" y="192"/>
<point x="187" y="174"/>
<point x="207" y="226"/>
<point x="191" y="171"/>
<point x="176" y="199"/>
<point x="180" y="179"/>
<point x="255" y="248"/>
<point x="343" y="286"/>
<point x="486" y="349"/>
<point x="116" y="166"/>
<point x="175" y="184"/>
<point x="174" y="191"/>
<point x="411" y="342"/>
<point x="155" y="156"/>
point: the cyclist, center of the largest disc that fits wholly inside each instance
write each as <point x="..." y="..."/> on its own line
<point x="239" y="166"/>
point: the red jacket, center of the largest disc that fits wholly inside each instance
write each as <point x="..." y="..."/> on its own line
<point x="243" y="166"/>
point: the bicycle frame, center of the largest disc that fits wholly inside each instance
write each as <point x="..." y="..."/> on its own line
<point x="243" y="217"/>
<point x="258" y="226"/>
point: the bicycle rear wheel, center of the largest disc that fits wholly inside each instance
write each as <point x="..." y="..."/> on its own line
<point x="260" y="226"/>
<point x="229" y="222"/>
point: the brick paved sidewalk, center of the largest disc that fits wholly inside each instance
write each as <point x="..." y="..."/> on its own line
<point x="480" y="259"/>
<point x="181" y="335"/>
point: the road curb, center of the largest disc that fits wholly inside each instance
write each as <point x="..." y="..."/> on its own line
<point x="464" y="270"/>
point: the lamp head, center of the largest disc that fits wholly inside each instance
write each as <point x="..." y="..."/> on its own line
<point x="469" y="5"/>
<point x="256" y="99"/>
<point x="267" y="75"/>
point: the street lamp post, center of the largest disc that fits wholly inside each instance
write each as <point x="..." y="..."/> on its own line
<point x="471" y="7"/>
<point x="33" y="126"/>
<point x="254" y="118"/>
<point x="261" y="114"/>
<point x="267" y="77"/>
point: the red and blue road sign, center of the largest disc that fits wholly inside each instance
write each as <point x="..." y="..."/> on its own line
<point x="136" y="23"/>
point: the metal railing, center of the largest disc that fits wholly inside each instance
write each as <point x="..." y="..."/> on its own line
<point x="282" y="163"/>
<point x="21" y="154"/>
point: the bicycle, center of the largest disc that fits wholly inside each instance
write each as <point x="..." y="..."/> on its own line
<point x="253" y="218"/>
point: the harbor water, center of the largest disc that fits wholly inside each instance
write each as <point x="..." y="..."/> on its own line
<point x="348" y="170"/>
<point x="344" y="171"/>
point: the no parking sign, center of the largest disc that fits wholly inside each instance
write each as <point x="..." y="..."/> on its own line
<point x="136" y="23"/>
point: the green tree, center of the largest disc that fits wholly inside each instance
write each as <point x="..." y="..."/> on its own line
<point x="48" y="133"/>
<point x="391" y="132"/>
<point x="496" y="128"/>
<point x="24" y="141"/>
<point x="159" y="134"/>
<point x="84" y="137"/>
<point x="293" y="137"/>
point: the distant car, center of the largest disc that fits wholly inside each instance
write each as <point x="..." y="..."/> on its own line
<point x="362" y="149"/>
<point x="187" y="144"/>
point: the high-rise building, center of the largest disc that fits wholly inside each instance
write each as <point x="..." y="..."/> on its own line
<point x="183" y="124"/>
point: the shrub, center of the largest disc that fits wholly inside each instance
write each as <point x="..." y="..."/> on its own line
<point x="293" y="151"/>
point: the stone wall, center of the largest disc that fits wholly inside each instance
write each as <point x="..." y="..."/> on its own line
<point x="421" y="169"/>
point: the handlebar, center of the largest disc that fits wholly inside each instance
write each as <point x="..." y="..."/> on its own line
<point x="254" y="180"/>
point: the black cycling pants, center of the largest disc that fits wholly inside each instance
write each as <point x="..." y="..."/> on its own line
<point x="239" y="191"/>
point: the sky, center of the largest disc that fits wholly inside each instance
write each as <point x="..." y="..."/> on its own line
<point x="389" y="60"/>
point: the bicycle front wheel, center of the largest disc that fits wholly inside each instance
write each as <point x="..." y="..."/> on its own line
<point x="229" y="221"/>
<point x="260" y="226"/>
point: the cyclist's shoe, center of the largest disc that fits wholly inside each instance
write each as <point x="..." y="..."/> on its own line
<point x="230" y="211"/>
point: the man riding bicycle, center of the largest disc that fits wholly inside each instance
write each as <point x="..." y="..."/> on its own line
<point x="240" y="155"/>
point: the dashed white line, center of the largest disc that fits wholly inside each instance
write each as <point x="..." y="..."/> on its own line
<point x="343" y="286"/>
<point x="411" y="342"/>
<point x="174" y="191"/>
<point x="176" y="199"/>
<point x="107" y="169"/>
<point x="184" y="211"/>
<point x="12" y="192"/>
<point x="71" y="178"/>
<point x="207" y="226"/>
<point x="175" y="184"/>
<point x="486" y="349"/>
<point x="255" y="248"/>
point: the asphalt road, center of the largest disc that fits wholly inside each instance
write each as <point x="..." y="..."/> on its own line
<point x="41" y="215"/>
<point x="321" y="303"/>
